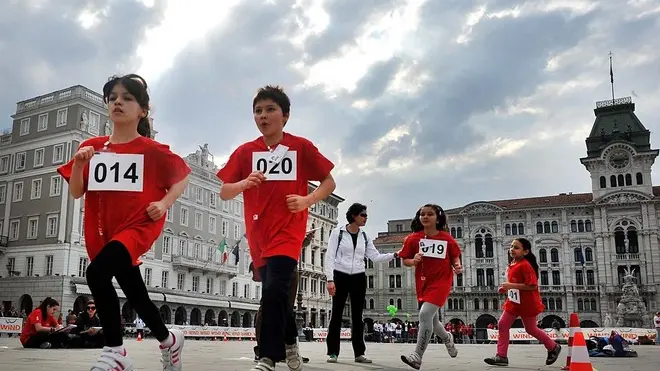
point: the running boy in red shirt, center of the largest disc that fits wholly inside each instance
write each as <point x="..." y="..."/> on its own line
<point x="436" y="256"/>
<point x="524" y="301"/>
<point x="129" y="181"/>
<point x="273" y="172"/>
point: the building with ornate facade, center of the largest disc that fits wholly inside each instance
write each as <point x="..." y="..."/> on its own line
<point x="585" y="243"/>
<point x="196" y="272"/>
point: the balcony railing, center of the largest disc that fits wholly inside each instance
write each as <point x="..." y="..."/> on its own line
<point x="553" y="288"/>
<point x="627" y="256"/>
<point x="485" y="261"/>
<point x="586" y="288"/>
<point x="203" y="265"/>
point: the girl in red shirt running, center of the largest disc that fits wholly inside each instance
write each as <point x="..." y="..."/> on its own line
<point x="129" y="181"/>
<point x="524" y="301"/>
<point x="436" y="256"/>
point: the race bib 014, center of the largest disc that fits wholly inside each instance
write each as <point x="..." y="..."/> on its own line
<point x="436" y="249"/>
<point x="116" y="172"/>
<point x="285" y="169"/>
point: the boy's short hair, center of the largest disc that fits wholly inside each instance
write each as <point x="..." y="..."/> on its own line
<point x="276" y="94"/>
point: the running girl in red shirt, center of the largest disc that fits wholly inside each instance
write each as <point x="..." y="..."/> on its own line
<point x="129" y="181"/>
<point x="524" y="301"/>
<point x="273" y="172"/>
<point x="436" y="256"/>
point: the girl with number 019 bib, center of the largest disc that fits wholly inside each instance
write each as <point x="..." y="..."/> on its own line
<point x="436" y="256"/>
<point x="524" y="301"/>
<point x="129" y="181"/>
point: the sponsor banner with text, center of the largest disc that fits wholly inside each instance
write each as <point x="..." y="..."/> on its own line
<point x="9" y="325"/>
<point x="242" y="332"/>
<point x="630" y="334"/>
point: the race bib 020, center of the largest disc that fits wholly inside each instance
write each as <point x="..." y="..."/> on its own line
<point x="436" y="249"/>
<point x="116" y="172"/>
<point x="286" y="169"/>
<point x="514" y="295"/>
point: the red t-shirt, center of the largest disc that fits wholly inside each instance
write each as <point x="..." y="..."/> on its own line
<point x="122" y="215"/>
<point x="530" y="300"/>
<point x="34" y="318"/>
<point x="271" y="228"/>
<point x="438" y="273"/>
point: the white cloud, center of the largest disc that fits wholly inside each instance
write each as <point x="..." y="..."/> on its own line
<point x="184" y="22"/>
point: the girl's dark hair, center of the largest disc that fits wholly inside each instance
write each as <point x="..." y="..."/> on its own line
<point x="531" y="258"/>
<point x="353" y="211"/>
<point x="137" y="87"/>
<point x="440" y="224"/>
<point x="48" y="302"/>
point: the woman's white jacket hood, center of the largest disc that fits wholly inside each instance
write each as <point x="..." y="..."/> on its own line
<point x="346" y="259"/>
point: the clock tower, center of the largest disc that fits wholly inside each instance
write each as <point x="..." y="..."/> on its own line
<point x="619" y="154"/>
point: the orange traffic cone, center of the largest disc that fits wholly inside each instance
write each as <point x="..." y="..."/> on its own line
<point x="580" y="358"/>
<point x="574" y="325"/>
<point x="139" y="337"/>
<point x="224" y="338"/>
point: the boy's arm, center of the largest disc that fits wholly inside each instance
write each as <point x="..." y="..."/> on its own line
<point x="324" y="190"/>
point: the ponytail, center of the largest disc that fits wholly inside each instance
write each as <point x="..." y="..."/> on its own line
<point x="48" y="302"/>
<point x="144" y="128"/>
<point x="530" y="257"/>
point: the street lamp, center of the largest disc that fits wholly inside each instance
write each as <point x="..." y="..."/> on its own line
<point x="300" y="322"/>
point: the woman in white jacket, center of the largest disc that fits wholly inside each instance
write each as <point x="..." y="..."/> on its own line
<point x="344" y="269"/>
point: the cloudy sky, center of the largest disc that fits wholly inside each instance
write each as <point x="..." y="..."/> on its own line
<point x="446" y="101"/>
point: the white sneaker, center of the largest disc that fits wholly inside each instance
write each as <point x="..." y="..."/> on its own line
<point x="451" y="349"/>
<point x="293" y="359"/>
<point x="112" y="360"/>
<point x="171" y="357"/>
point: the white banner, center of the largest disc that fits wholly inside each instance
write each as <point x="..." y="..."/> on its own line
<point x="243" y="332"/>
<point x="630" y="334"/>
<point x="9" y="325"/>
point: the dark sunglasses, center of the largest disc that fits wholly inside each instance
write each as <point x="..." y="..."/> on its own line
<point x="91" y="308"/>
<point x="364" y="215"/>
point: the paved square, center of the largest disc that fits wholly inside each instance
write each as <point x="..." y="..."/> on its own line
<point x="238" y="356"/>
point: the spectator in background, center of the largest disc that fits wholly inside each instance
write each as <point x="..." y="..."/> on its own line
<point x="39" y="329"/>
<point x="88" y="332"/>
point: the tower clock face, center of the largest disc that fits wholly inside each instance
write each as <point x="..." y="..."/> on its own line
<point x="619" y="159"/>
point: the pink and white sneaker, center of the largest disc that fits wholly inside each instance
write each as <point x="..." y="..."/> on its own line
<point x="112" y="360"/>
<point x="171" y="357"/>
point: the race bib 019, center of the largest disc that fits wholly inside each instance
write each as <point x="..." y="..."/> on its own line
<point x="116" y="172"/>
<point x="285" y="169"/>
<point x="514" y="295"/>
<point x="436" y="249"/>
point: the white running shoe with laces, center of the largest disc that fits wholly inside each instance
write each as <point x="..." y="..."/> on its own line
<point x="112" y="360"/>
<point x="171" y="357"/>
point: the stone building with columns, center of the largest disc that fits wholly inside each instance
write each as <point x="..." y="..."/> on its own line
<point x="585" y="243"/>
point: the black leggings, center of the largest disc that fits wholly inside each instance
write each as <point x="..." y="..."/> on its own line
<point x="353" y="286"/>
<point x="56" y="340"/>
<point x="115" y="261"/>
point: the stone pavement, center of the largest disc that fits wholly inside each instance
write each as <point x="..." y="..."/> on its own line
<point x="234" y="355"/>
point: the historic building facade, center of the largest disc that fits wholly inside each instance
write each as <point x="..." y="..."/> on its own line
<point x="585" y="243"/>
<point x="196" y="272"/>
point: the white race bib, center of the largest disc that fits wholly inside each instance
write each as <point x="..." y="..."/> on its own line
<point x="116" y="172"/>
<point x="436" y="249"/>
<point x="285" y="169"/>
<point x="514" y="295"/>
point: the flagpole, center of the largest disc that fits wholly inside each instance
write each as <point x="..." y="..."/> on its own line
<point x="611" y="77"/>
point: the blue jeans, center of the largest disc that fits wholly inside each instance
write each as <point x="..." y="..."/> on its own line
<point x="657" y="336"/>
